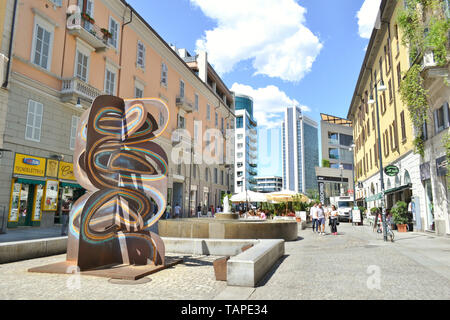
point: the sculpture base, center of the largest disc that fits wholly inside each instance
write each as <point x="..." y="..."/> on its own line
<point x="227" y="216"/>
<point x="123" y="272"/>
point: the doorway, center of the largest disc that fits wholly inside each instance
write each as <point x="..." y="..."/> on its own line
<point x="178" y="195"/>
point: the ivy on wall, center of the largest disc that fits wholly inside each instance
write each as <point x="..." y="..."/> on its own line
<point x="421" y="37"/>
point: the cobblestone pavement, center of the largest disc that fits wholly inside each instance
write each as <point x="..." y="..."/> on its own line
<point x="192" y="280"/>
<point x="356" y="264"/>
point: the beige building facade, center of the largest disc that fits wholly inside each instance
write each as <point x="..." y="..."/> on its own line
<point x="60" y="64"/>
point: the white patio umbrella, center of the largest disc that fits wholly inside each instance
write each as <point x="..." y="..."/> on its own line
<point x="249" y="196"/>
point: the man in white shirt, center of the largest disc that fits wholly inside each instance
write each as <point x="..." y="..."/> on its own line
<point x="313" y="214"/>
<point x="177" y="211"/>
<point x="321" y="219"/>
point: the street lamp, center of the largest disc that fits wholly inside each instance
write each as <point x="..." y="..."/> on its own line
<point x="351" y="149"/>
<point x="381" y="88"/>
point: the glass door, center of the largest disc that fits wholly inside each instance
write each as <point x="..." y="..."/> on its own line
<point x="24" y="204"/>
<point x="430" y="206"/>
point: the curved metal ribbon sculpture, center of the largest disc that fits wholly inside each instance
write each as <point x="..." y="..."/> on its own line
<point x="125" y="174"/>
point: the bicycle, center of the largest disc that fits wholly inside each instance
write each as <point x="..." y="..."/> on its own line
<point x="390" y="233"/>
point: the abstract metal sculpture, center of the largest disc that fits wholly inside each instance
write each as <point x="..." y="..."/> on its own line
<point x="125" y="175"/>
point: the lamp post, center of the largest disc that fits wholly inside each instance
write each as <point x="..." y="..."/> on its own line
<point x="351" y="149"/>
<point x="381" y="88"/>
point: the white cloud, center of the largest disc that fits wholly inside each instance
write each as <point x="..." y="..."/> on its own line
<point x="269" y="32"/>
<point x="367" y="16"/>
<point x="269" y="103"/>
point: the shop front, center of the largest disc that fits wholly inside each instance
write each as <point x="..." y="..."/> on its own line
<point x="35" y="190"/>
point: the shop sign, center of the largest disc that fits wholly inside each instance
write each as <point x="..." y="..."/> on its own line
<point x="391" y="170"/>
<point x="322" y="192"/>
<point x="441" y="166"/>
<point x="29" y="165"/>
<point x="66" y="171"/>
<point x="425" y="173"/>
<point x="52" y="168"/>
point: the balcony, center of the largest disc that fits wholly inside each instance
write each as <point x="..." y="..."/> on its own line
<point x="72" y="88"/>
<point x="184" y="104"/>
<point x="89" y="32"/>
<point x="253" y="165"/>
<point x="253" y="173"/>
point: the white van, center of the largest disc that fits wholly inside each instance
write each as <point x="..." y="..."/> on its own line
<point x="344" y="206"/>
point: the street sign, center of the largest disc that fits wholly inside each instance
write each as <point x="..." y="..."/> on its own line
<point x="391" y="170"/>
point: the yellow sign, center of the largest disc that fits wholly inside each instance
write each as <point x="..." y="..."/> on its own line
<point x="29" y="165"/>
<point x="66" y="171"/>
<point x="52" y="168"/>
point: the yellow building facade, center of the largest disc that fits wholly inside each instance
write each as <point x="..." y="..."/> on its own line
<point x="385" y="62"/>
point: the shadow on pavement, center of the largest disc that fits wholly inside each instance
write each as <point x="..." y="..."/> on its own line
<point x="271" y="272"/>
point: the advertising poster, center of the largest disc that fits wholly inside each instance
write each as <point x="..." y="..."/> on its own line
<point x="14" y="213"/>
<point x="51" y="196"/>
<point x="37" y="203"/>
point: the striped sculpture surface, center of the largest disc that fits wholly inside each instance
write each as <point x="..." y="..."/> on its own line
<point x="125" y="175"/>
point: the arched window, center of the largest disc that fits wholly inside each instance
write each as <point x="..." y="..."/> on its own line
<point x="388" y="184"/>
<point x="397" y="181"/>
<point x="407" y="178"/>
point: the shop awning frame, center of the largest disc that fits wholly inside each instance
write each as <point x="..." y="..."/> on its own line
<point x="401" y="188"/>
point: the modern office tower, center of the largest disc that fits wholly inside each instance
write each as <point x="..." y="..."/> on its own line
<point x="269" y="184"/>
<point x="269" y="152"/>
<point x="245" y="145"/>
<point x="336" y="172"/>
<point x="300" y="149"/>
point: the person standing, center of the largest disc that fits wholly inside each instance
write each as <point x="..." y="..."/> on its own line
<point x="333" y="219"/>
<point x="321" y="219"/>
<point x="313" y="214"/>
<point x="177" y="211"/>
<point x="199" y="210"/>
<point x="66" y="207"/>
<point x="168" y="211"/>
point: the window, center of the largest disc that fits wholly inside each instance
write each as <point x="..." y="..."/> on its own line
<point x="390" y="90"/>
<point x="73" y="131"/>
<point x="138" y="93"/>
<point x="240" y="155"/>
<point x="333" y="153"/>
<point x="161" y="119"/>
<point x="42" y="46"/>
<point x="240" y="136"/>
<point x="181" y="88"/>
<point x="114" y="30"/>
<point x="208" y="112"/>
<point x="140" y="55"/>
<point x="399" y="75"/>
<point x="216" y="122"/>
<point x="373" y="119"/>
<point x="57" y="3"/>
<point x="82" y="66"/>
<point x="196" y="102"/>
<point x="181" y="122"/>
<point x="206" y="175"/>
<point x="240" y="145"/>
<point x="164" y="74"/>
<point x="239" y="122"/>
<point x="110" y="82"/>
<point x="441" y="118"/>
<point x="34" y="121"/>
<point x="403" y="126"/>
<point x="215" y="175"/>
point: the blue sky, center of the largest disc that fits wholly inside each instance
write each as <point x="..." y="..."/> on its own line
<point x="281" y="52"/>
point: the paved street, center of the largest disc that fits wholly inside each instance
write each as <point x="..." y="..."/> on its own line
<point x="356" y="264"/>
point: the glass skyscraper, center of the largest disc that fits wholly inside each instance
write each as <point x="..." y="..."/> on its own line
<point x="300" y="148"/>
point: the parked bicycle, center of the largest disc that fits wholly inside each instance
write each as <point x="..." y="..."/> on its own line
<point x="390" y="233"/>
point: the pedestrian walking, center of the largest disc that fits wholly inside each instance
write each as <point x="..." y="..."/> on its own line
<point x="199" y="210"/>
<point x="168" y="211"/>
<point x="66" y="207"/>
<point x="321" y="219"/>
<point x="177" y="211"/>
<point x="313" y="214"/>
<point x="334" y="214"/>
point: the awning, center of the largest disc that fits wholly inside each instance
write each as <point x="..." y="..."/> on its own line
<point x="397" y="189"/>
<point x="71" y="185"/>
<point x="30" y="181"/>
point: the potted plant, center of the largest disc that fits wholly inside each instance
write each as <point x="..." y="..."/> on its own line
<point x="106" y="33"/>
<point x="400" y="216"/>
<point x="87" y="17"/>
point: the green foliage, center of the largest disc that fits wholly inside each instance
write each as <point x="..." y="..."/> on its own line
<point x="400" y="213"/>
<point x="325" y="163"/>
<point x="313" y="194"/>
<point x="298" y="204"/>
<point x="374" y="210"/>
<point x="412" y="91"/>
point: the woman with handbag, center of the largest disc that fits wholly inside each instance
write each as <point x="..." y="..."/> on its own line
<point x="334" y="220"/>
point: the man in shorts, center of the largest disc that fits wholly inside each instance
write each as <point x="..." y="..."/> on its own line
<point x="321" y="219"/>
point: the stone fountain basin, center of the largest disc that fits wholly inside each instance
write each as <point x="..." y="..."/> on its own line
<point x="211" y="228"/>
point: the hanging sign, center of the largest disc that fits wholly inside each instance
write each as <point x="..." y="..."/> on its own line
<point x="391" y="170"/>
